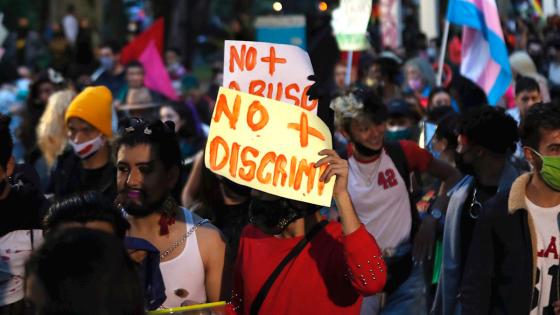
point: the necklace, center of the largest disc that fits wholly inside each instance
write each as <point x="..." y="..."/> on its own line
<point x="366" y="176"/>
<point x="182" y="240"/>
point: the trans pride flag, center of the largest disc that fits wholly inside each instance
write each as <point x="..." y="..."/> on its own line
<point x="484" y="54"/>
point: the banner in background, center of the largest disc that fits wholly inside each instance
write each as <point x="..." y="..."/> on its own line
<point x="349" y="22"/>
<point x="390" y="15"/>
<point x="282" y="29"/>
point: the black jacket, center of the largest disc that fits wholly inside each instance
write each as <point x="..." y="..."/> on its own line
<point x="68" y="177"/>
<point x="500" y="272"/>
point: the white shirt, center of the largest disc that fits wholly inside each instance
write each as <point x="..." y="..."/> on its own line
<point x="380" y="197"/>
<point x="548" y="235"/>
<point x="15" y="248"/>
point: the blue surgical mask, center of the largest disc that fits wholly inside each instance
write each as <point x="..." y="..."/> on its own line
<point x="107" y="63"/>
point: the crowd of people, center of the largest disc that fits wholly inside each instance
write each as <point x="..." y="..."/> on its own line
<point x="442" y="204"/>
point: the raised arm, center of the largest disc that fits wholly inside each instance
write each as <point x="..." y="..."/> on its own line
<point x="365" y="267"/>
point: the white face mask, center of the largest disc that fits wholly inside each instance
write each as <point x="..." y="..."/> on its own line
<point x="86" y="149"/>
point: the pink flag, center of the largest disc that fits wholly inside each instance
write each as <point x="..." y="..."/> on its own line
<point x="156" y="76"/>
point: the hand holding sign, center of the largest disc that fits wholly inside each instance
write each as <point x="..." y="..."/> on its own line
<point x="336" y="166"/>
<point x="270" y="146"/>
<point x="349" y="22"/>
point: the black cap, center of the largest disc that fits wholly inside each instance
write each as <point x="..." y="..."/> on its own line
<point x="399" y="107"/>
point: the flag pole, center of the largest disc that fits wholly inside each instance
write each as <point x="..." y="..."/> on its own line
<point x="348" y="67"/>
<point x="443" y="49"/>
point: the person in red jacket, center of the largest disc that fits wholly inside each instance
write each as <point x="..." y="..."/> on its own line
<point x="338" y="265"/>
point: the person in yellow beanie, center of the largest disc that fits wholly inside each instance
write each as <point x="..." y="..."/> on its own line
<point x="88" y="166"/>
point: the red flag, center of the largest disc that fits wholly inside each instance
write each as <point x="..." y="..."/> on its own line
<point x="136" y="47"/>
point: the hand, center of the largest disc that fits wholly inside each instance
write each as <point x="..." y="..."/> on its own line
<point x="424" y="240"/>
<point x="336" y="167"/>
<point x="556" y="307"/>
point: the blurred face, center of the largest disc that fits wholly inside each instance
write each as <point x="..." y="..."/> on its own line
<point x="367" y="133"/>
<point x="168" y="113"/>
<point x="106" y="52"/>
<point x="135" y="77"/>
<point x="23" y="22"/>
<point x="143" y="182"/>
<point x="526" y="99"/>
<point x="414" y="78"/>
<point x="80" y="131"/>
<point x="170" y="57"/>
<point x="339" y="74"/>
<point x="374" y="74"/>
<point x="441" y="99"/>
<point x="45" y="91"/>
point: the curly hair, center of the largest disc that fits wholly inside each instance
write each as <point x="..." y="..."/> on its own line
<point x="491" y="128"/>
<point x="540" y="117"/>
<point x="51" y="131"/>
<point x="358" y="103"/>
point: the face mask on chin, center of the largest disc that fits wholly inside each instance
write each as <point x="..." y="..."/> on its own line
<point x="365" y="151"/>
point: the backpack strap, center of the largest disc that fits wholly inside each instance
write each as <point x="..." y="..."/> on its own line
<point x="396" y="153"/>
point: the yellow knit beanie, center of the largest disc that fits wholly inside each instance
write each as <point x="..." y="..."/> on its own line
<point x="93" y="106"/>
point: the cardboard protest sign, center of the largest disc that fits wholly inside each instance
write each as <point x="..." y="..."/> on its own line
<point x="268" y="145"/>
<point x="274" y="71"/>
<point x="349" y="22"/>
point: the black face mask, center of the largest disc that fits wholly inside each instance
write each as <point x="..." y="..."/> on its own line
<point x="239" y="190"/>
<point x="462" y="166"/>
<point x="365" y="151"/>
<point x="273" y="216"/>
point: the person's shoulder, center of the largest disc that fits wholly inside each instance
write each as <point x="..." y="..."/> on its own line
<point x="206" y="230"/>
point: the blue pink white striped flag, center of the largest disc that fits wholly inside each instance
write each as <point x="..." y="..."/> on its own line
<point x="484" y="53"/>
